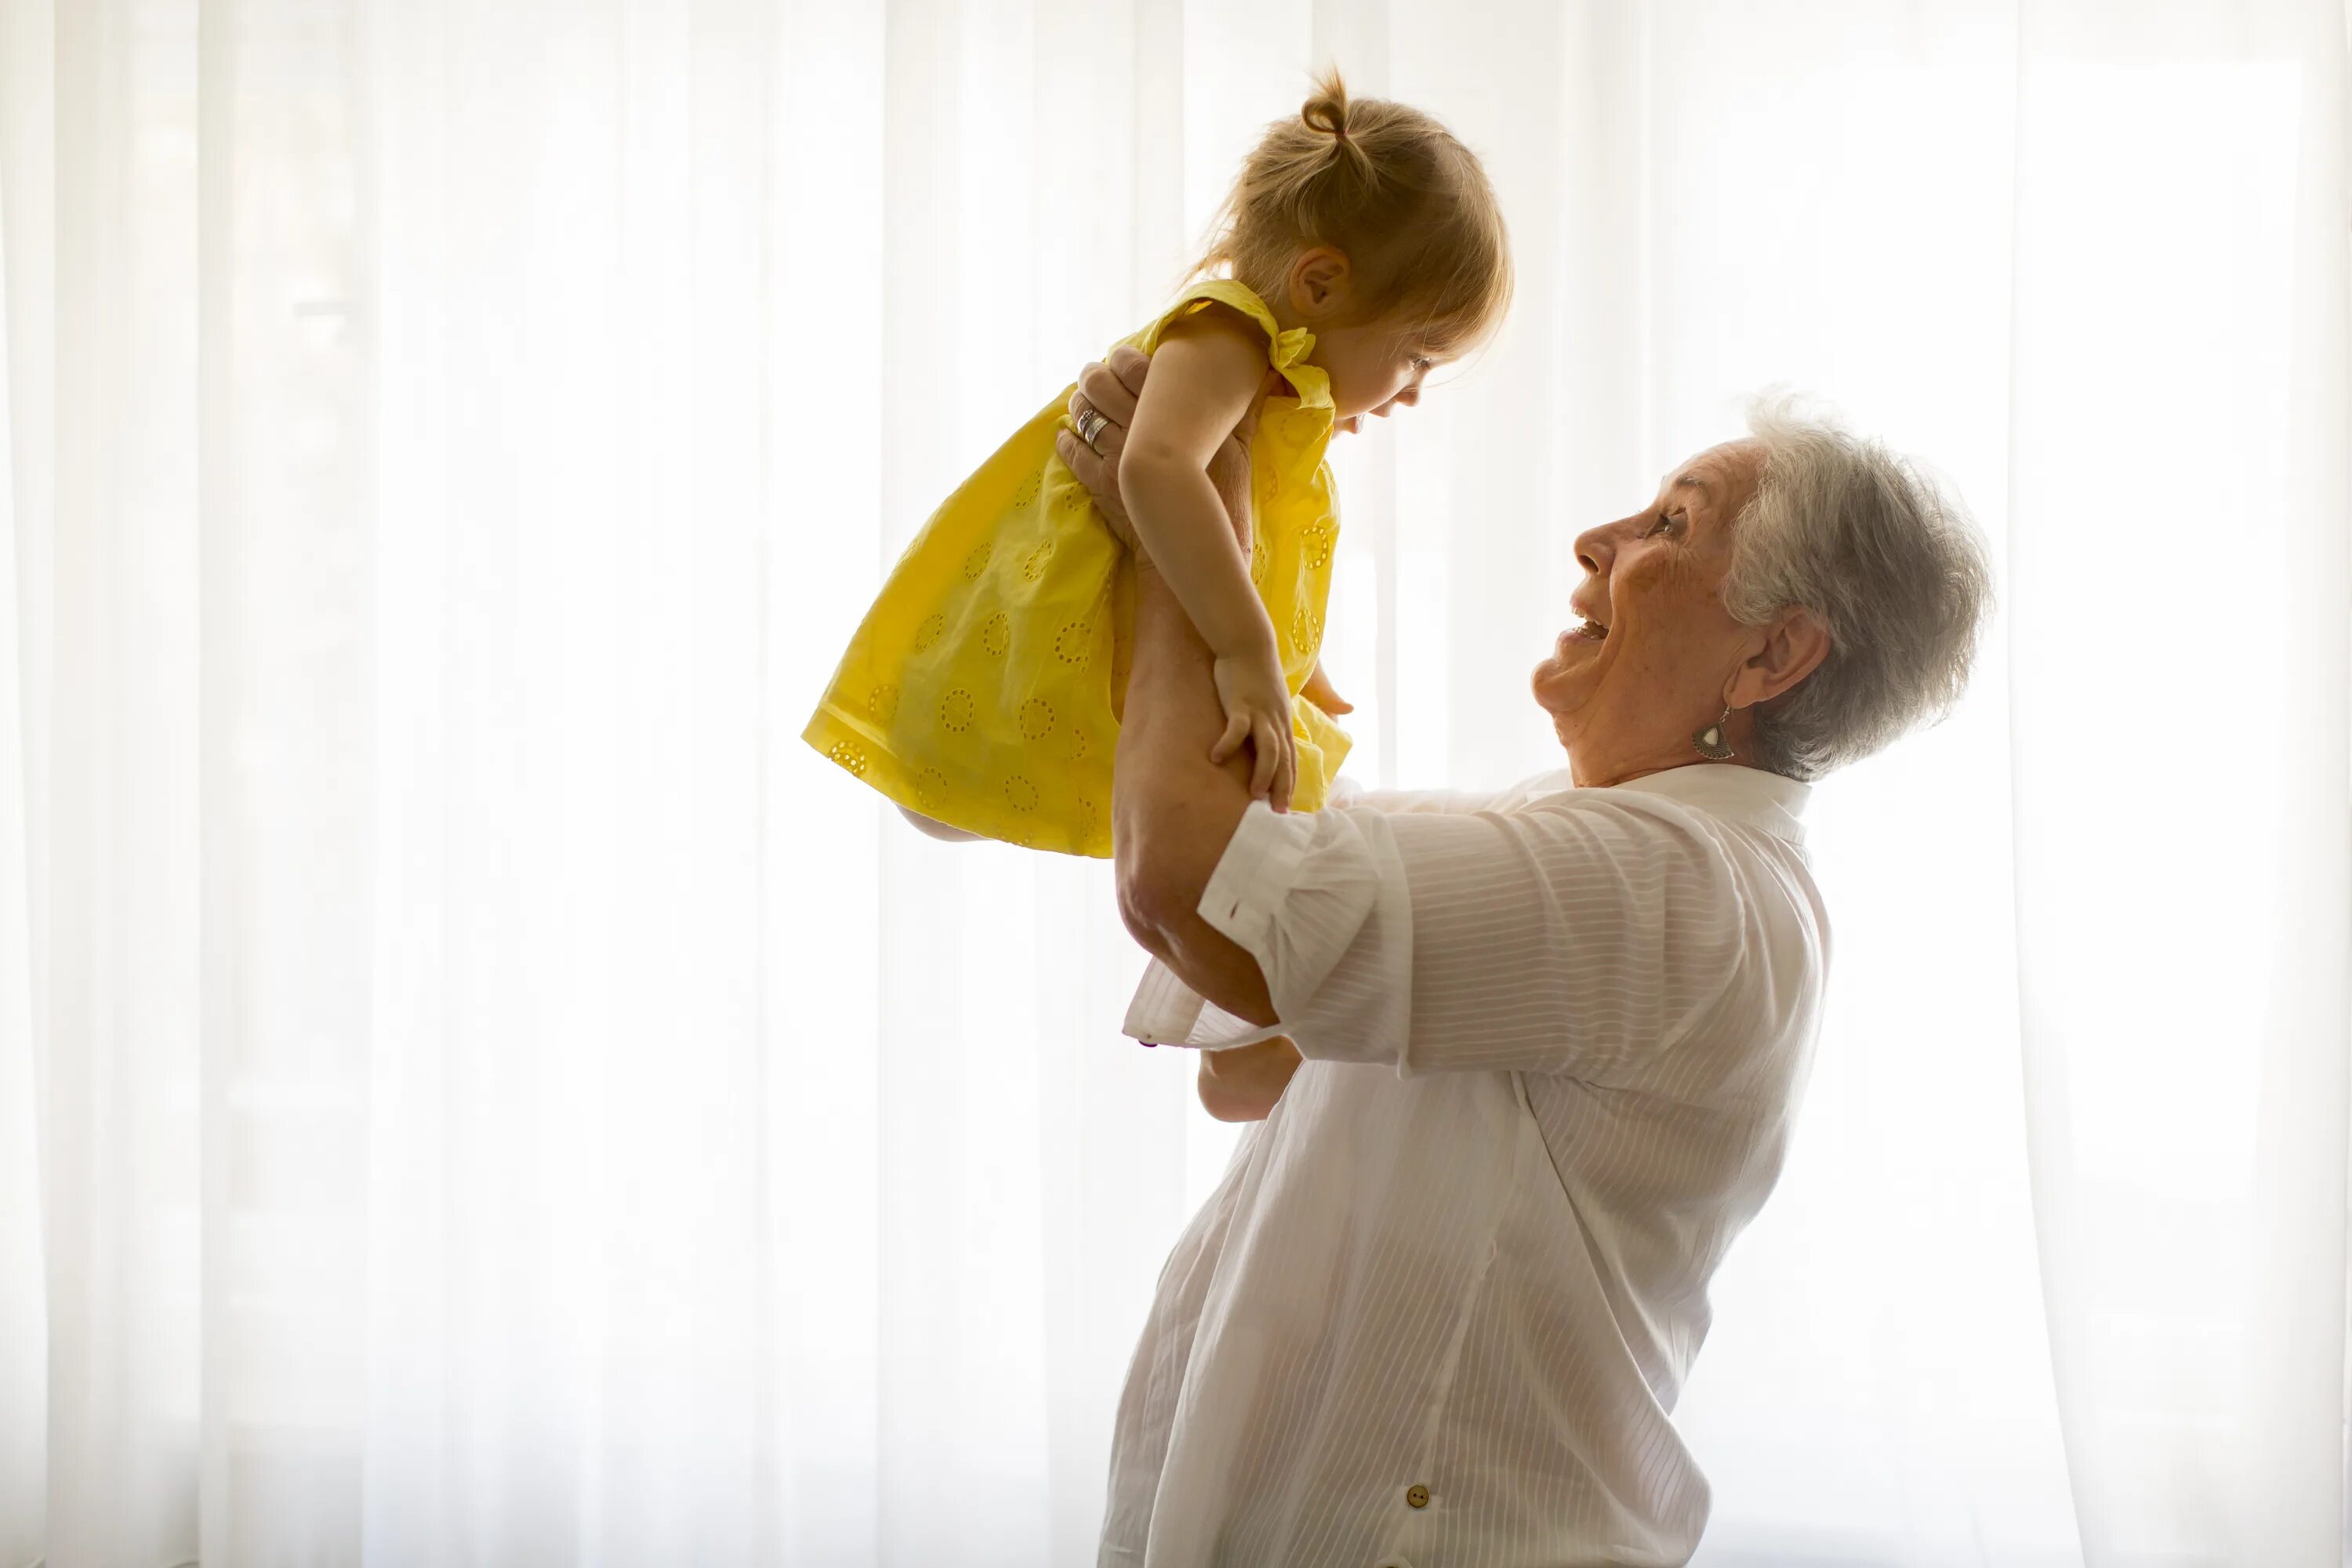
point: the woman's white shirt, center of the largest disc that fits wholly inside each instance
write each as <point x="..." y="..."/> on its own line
<point x="1441" y="1306"/>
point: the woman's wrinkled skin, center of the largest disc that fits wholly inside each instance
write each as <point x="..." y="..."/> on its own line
<point x="1673" y="658"/>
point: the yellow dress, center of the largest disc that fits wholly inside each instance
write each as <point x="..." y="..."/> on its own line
<point x="984" y="687"/>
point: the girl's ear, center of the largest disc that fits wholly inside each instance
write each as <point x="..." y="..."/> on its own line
<point x="1319" y="283"/>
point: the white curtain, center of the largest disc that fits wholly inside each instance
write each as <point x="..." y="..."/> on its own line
<point x="475" y="1090"/>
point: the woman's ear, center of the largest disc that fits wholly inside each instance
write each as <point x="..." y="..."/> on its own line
<point x="1794" y="646"/>
<point x="1319" y="283"/>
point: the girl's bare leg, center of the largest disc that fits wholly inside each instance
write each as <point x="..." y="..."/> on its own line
<point x="937" y="829"/>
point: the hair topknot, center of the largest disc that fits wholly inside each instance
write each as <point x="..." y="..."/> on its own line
<point x="1391" y="188"/>
<point x="1326" y="112"/>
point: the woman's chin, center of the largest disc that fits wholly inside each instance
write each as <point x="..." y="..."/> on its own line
<point x="1571" y="652"/>
<point x="1554" y="686"/>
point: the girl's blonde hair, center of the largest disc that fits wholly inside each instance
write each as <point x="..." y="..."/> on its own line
<point x="1391" y="188"/>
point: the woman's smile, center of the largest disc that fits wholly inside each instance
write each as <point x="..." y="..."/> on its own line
<point x="1579" y="635"/>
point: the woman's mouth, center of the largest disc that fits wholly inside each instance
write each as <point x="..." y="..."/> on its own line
<point x="1583" y="632"/>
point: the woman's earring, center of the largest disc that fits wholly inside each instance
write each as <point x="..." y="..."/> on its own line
<point x="1710" y="741"/>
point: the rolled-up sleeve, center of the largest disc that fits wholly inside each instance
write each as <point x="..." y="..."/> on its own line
<point x="1584" y="935"/>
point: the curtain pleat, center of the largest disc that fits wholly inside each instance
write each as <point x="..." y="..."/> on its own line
<point x="2179" y="605"/>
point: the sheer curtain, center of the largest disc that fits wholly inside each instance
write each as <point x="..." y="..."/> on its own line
<point x="473" y="1090"/>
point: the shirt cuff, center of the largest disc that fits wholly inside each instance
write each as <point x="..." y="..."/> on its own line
<point x="1254" y="874"/>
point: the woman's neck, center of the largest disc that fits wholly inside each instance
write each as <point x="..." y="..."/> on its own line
<point x="1596" y="761"/>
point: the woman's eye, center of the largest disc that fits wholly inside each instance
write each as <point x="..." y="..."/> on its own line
<point x="1657" y="526"/>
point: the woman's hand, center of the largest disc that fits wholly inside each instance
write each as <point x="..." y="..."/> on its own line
<point x="1111" y="390"/>
<point x="1242" y="1083"/>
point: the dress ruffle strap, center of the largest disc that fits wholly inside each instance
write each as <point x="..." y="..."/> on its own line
<point x="1287" y="350"/>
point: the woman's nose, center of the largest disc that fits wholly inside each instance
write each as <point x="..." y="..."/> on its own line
<point x="1592" y="551"/>
<point x="1597" y="547"/>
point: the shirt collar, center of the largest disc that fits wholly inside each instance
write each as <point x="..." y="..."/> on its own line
<point x="1767" y="802"/>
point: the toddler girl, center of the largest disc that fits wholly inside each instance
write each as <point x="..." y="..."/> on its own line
<point x="1360" y="247"/>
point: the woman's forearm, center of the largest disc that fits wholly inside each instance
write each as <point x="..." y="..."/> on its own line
<point x="1173" y="811"/>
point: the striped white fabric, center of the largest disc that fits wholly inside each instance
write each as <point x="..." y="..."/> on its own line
<point x="1438" y="1315"/>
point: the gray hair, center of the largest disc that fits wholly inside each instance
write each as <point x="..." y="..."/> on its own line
<point x="1885" y="558"/>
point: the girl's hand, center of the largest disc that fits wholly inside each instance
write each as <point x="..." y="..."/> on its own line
<point x="1257" y="710"/>
<point x="1319" y="691"/>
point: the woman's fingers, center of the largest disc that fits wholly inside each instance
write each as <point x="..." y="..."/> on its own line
<point x="1083" y="461"/>
<point x="1107" y="390"/>
<point x="1094" y="472"/>
<point x="1112" y="437"/>
<point x="1108" y="442"/>
<point x="1131" y="364"/>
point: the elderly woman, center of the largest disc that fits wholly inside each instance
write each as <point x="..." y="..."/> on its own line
<point x="1527" y="1062"/>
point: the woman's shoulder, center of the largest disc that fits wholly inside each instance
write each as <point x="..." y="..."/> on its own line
<point x="1750" y="797"/>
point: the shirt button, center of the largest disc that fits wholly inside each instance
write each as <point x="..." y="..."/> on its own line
<point x="1417" y="1496"/>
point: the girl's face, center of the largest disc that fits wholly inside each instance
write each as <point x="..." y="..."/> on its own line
<point x="1376" y="363"/>
<point x="1375" y="369"/>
